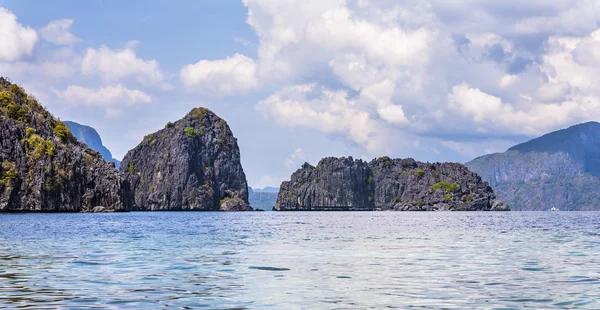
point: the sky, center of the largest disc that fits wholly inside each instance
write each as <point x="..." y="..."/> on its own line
<point x="299" y="80"/>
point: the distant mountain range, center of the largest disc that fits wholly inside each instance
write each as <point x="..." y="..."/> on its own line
<point x="560" y="169"/>
<point x="268" y="189"/>
<point x="91" y="138"/>
<point x="264" y="198"/>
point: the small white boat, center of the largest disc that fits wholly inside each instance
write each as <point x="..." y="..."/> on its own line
<point x="554" y="209"/>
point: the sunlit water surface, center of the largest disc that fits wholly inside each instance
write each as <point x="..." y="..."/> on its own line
<point x="295" y="260"/>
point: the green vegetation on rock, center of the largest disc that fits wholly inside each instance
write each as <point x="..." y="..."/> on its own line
<point x="199" y="113"/>
<point x="38" y="145"/>
<point x="446" y="186"/>
<point x="9" y="172"/>
<point x="190" y="132"/>
<point x="131" y="167"/>
<point x="62" y="132"/>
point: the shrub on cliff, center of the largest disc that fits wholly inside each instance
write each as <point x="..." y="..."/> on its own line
<point x="190" y="132"/>
<point x="446" y="186"/>
<point x="63" y="132"/>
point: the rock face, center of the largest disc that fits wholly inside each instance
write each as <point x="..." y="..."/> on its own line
<point x="344" y="184"/>
<point x="192" y="164"/>
<point x="45" y="169"/>
<point x="91" y="138"/>
<point x="560" y="169"/>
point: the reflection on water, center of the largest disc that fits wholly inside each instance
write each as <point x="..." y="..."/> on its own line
<point x="300" y="260"/>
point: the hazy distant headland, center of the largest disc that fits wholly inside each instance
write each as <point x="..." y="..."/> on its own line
<point x="560" y="169"/>
<point x="91" y="138"/>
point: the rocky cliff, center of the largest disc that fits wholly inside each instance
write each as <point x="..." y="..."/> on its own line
<point x="45" y="169"/>
<point x="192" y="164"/>
<point x="560" y="169"/>
<point x="339" y="184"/>
<point x="91" y="138"/>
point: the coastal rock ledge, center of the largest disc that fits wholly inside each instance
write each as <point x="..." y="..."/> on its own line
<point x="192" y="164"/>
<point x="345" y="184"/>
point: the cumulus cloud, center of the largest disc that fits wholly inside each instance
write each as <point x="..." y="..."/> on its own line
<point x="324" y="110"/>
<point x="17" y="41"/>
<point x="489" y="113"/>
<point x="378" y="72"/>
<point x="235" y="74"/>
<point x="117" y="65"/>
<point x="58" y="32"/>
<point x="295" y="159"/>
<point x="52" y="69"/>
<point x="484" y="69"/>
<point x="105" y="96"/>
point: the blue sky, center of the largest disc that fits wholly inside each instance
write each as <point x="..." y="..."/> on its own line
<point x="300" y="80"/>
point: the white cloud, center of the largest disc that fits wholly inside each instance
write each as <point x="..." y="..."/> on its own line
<point x="106" y="96"/>
<point x="323" y="110"/>
<point x="393" y="114"/>
<point x="426" y="67"/>
<point x="570" y="17"/>
<point x="489" y="113"/>
<point x="268" y="180"/>
<point x="58" y="32"/>
<point x="118" y="65"/>
<point x="235" y="74"/>
<point x="296" y="159"/>
<point x="472" y="149"/>
<point x="376" y="73"/>
<point x="16" y="41"/>
<point x="508" y="80"/>
<point x="110" y="113"/>
<point x="50" y="69"/>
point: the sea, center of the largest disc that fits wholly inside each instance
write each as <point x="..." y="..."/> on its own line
<point x="300" y="260"/>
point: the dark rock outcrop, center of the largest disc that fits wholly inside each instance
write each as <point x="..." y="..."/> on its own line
<point x="192" y="164"/>
<point x="385" y="184"/>
<point x="560" y="169"/>
<point x="91" y="138"/>
<point x="45" y="169"/>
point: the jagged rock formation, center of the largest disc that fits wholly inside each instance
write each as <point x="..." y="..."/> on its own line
<point x="560" y="169"/>
<point x="192" y="164"/>
<point x="45" y="169"/>
<point x="339" y="184"/>
<point x="91" y="138"/>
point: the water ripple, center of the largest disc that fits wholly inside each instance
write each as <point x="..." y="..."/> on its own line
<point x="300" y="260"/>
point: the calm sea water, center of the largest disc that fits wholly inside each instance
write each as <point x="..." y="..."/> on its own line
<point x="294" y="260"/>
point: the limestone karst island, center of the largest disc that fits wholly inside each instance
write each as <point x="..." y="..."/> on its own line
<point x="194" y="164"/>
<point x="299" y="154"/>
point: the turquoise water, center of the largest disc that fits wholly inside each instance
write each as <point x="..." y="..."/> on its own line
<point x="292" y="260"/>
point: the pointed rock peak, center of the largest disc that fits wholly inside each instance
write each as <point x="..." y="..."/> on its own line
<point x="191" y="164"/>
